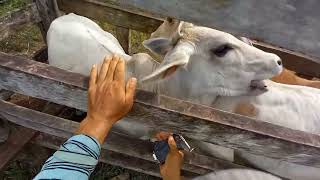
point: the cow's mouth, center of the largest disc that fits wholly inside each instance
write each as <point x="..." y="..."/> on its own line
<point x="258" y="85"/>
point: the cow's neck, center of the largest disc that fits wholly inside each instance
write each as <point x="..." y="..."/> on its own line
<point x="182" y="86"/>
<point x="291" y="106"/>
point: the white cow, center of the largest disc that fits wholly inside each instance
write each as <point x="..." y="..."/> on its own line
<point x="238" y="174"/>
<point x="211" y="78"/>
<point x="203" y="65"/>
<point x="216" y="69"/>
<point x="75" y="43"/>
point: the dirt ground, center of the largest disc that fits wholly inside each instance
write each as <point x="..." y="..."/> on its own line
<point x="28" y="163"/>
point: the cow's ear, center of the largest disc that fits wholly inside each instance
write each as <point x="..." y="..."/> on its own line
<point x="158" y="45"/>
<point x="176" y="58"/>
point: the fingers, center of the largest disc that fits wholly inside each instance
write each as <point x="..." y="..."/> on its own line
<point x="172" y="143"/>
<point x="119" y="74"/>
<point x="173" y="147"/>
<point x="130" y="90"/>
<point x="93" y="76"/>
<point x="104" y="69"/>
<point x="112" y="67"/>
<point x="163" y="135"/>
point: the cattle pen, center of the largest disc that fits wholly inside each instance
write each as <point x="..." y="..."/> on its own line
<point x="289" y="32"/>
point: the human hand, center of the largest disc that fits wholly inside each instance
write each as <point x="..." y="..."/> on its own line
<point x="170" y="170"/>
<point x="109" y="99"/>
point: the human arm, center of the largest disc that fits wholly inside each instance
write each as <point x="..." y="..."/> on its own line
<point x="109" y="99"/>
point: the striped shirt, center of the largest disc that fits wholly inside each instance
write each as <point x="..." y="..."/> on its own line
<point x="75" y="159"/>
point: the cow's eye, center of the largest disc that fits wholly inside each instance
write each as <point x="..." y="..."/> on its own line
<point x="222" y="50"/>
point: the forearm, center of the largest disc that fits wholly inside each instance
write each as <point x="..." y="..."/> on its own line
<point x="95" y="127"/>
<point x="78" y="156"/>
<point x="75" y="159"/>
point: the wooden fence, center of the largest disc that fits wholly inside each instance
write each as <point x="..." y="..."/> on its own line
<point x="35" y="79"/>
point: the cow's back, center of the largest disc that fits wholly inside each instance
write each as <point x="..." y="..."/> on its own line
<point x="75" y="43"/>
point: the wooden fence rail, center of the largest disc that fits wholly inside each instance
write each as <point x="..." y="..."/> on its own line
<point x="163" y="113"/>
<point x="102" y="12"/>
<point x="63" y="128"/>
<point x="289" y="24"/>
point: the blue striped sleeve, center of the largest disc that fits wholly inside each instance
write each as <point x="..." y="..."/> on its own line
<point x="76" y="159"/>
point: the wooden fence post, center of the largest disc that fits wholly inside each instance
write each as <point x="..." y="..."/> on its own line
<point x="4" y="130"/>
<point x="48" y="13"/>
<point x="16" y="141"/>
<point x="123" y="38"/>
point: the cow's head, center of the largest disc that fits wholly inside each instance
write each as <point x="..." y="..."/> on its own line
<point x="214" y="61"/>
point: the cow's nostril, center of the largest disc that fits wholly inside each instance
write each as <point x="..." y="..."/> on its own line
<point x="279" y="62"/>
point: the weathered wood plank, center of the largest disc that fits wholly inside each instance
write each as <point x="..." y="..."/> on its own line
<point x="288" y="24"/>
<point x="115" y="142"/>
<point x="163" y="113"/>
<point x="123" y="37"/>
<point x="113" y="16"/>
<point x="47" y="13"/>
<point x="4" y="130"/>
<point x="17" y="140"/>
<point x="4" y="127"/>
<point x="4" y="94"/>
<point x="16" y="19"/>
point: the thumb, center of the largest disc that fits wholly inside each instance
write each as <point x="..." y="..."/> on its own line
<point x="130" y="90"/>
<point x="173" y="148"/>
<point x="172" y="144"/>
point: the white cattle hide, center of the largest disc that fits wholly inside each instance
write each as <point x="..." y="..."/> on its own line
<point x="203" y="75"/>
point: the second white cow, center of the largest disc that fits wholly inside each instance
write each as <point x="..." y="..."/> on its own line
<point x="212" y="66"/>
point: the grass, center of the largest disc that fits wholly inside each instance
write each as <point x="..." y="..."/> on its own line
<point x="136" y="39"/>
<point x="18" y="171"/>
<point x="25" y="41"/>
<point x="106" y="171"/>
<point x="9" y="5"/>
<point x="27" y="164"/>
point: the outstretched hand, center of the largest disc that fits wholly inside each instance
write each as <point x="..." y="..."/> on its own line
<point x="109" y="98"/>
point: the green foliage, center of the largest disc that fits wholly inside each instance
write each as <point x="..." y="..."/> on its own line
<point x="18" y="170"/>
<point x="136" y="39"/>
<point x="9" y="5"/>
